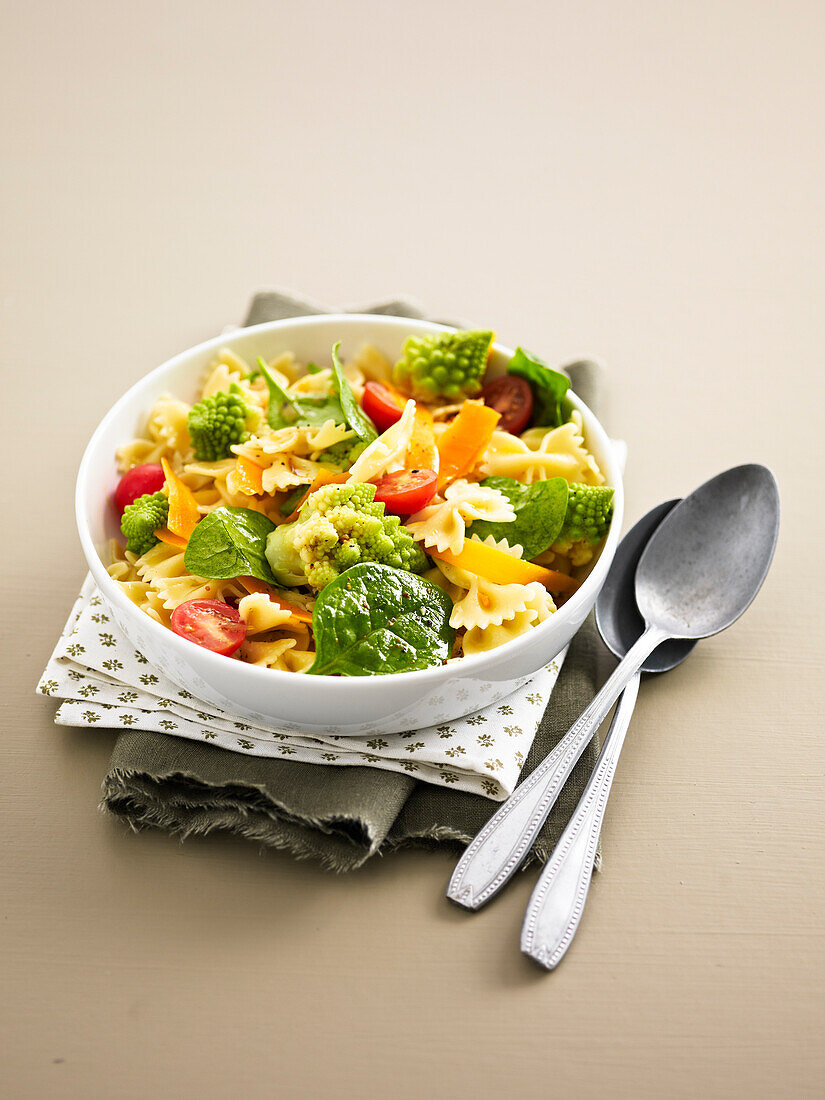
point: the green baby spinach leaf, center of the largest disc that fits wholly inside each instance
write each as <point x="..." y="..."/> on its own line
<point x="357" y="419"/>
<point x="230" y="542"/>
<point x="291" y="500"/>
<point x="285" y="411"/>
<point x="375" y="619"/>
<point x="539" y="509"/>
<point x="549" y="388"/>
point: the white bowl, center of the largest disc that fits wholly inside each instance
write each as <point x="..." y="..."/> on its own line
<point x="338" y="705"/>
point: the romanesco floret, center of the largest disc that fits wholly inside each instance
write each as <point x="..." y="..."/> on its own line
<point x="141" y="519"/>
<point x="216" y="423"/>
<point x="344" y="453"/>
<point x="589" y="508"/>
<point x="338" y="527"/>
<point x="451" y="364"/>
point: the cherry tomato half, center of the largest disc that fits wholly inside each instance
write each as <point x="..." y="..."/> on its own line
<point x="211" y="624"/>
<point x="137" y="482"/>
<point x="512" y="397"/>
<point x="406" y="491"/>
<point x="381" y="406"/>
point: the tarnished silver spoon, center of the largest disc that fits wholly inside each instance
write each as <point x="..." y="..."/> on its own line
<point x="698" y="574"/>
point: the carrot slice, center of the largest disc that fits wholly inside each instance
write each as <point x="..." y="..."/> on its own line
<point x="248" y="475"/>
<point x="184" y="514"/>
<point x="252" y="584"/>
<point x="465" y="440"/>
<point x="323" y="477"/>
<point x="502" y="568"/>
<point x="170" y="538"/>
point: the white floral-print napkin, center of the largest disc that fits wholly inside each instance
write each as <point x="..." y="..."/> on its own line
<point x="103" y="681"/>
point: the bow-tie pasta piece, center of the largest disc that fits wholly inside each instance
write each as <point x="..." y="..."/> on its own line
<point x="166" y="435"/>
<point x="479" y="603"/>
<point x="443" y="525"/>
<point x="283" y="654"/>
<point x="163" y="570"/>
<point x="372" y="364"/>
<point x="540" y="454"/>
<point x="538" y="607"/>
<point x="261" y="614"/>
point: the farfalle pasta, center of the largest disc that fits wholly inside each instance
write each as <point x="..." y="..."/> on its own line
<point x="539" y="454"/>
<point x="443" y="525"/>
<point x="319" y="519"/>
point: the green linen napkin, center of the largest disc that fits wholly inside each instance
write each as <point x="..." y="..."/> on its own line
<point x="339" y="816"/>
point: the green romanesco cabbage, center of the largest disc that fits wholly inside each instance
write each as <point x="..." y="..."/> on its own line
<point x="589" y="508"/>
<point x="216" y="423"/>
<point x="338" y="527"/>
<point x="141" y="519"/>
<point x="343" y="454"/>
<point x="451" y="364"/>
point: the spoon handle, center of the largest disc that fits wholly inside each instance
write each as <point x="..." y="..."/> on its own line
<point x="501" y="846"/>
<point x="557" y="903"/>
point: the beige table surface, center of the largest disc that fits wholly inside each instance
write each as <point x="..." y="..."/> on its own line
<point x="641" y="181"/>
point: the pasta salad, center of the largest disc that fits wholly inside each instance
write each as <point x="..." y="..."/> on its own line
<point x="360" y="517"/>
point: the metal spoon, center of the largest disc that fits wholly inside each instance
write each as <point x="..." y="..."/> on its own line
<point x="557" y="903"/>
<point x="698" y="574"/>
<point x="501" y="846"/>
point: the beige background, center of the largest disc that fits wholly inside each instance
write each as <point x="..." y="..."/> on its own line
<point x="642" y="181"/>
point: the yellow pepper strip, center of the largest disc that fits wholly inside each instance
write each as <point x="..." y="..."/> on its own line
<point x="422" y="453"/>
<point x="252" y="584"/>
<point x="502" y="568"/>
<point x="465" y="441"/>
<point x="171" y="539"/>
<point x="183" y="508"/>
<point x="249" y="476"/>
<point x="323" y="477"/>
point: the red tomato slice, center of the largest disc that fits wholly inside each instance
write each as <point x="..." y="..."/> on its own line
<point x="381" y="406"/>
<point x="406" y="491"/>
<point x="512" y="397"/>
<point x="138" y="481"/>
<point x="211" y="624"/>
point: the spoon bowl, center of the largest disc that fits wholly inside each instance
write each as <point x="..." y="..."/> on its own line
<point x="708" y="558"/>
<point x="617" y="616"/>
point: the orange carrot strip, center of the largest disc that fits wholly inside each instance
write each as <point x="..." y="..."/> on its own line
<point x="502" y="568"/>
<point x="183" y="508"/>
<point x="248" y="475"/>
<point x="252" y="584"/>
<point x="171" y="539"/>
<point x="465" y="440"/>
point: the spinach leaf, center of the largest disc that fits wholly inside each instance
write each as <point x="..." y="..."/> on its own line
<point x="284" y="410"/>
<point x="539" y="509"/>
<point x="375" y="619"/>
<point x="230" y="542"/>
<point x="357" y="419"/>
<point x="549" y="387"/>
<point x="290" y="501"/>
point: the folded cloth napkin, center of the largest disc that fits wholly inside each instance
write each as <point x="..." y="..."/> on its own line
<point x="435" y="786"/>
